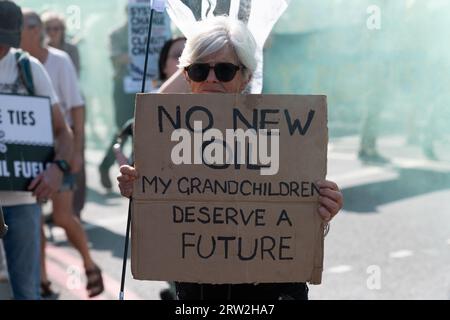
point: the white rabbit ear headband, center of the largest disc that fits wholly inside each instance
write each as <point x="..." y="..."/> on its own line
<point x="259" y="15"/>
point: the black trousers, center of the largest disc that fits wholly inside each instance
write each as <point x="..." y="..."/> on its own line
<point x="263" y="291"/>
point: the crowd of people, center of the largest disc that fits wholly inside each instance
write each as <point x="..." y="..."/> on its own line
<point x="54" y="69"/>
<point x="52" y="66"/>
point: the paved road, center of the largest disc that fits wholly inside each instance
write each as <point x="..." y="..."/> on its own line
<point x="391" y="241"/>
<point x="395" y="227"/>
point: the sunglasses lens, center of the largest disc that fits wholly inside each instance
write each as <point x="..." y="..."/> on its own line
<point x="225" y="72"/>
<point x="198" y="72"/>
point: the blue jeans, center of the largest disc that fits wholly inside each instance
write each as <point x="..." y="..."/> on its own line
<point x="22" y="250"/>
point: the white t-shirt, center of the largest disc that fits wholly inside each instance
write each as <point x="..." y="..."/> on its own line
<point x="64" y="79"/>
<point x="43" y="87"/>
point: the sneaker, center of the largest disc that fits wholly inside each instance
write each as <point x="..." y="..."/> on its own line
<point x="104" y="178"/>
<point x="372" y="156"/>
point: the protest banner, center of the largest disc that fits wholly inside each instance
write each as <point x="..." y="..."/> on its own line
<point x="138" y="22"/>
<point x="212" y="204"/>
<point x="26" y="139"/>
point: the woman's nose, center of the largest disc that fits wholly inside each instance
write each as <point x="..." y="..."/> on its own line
<point x="211" y="76"/>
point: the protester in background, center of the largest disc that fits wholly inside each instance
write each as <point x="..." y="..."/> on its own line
<point x="64" y="79"/>
<point x="229" y="46"/>
<point x="21" y="210"/>
<point x="378" y="84"/>
<point x="167" y="66"/>
<point x="123" y="102"/>
<point x="55" y="29"/>
<point x="373" y="102"/>
<point x="168" y="58"/>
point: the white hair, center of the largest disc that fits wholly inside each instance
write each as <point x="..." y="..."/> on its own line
<point x="215" y="33"/>
<point x="48" y="16"/>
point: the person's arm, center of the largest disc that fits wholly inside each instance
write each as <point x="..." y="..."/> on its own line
<point x="49" y="181"/>
<point x="63" y="135"/>
<point x="70" y="93"/>
<point x="175" y="84"/>
<point x="78" y="118"/>
<point x="125" y="132"/>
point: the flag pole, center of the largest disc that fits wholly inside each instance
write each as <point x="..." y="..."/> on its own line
<point x="127" y="233"/>
<point x="147" y="50"/>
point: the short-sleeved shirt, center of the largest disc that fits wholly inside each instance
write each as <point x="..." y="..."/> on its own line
<point x="62" y="72"/>
<point x="10" y="83"/>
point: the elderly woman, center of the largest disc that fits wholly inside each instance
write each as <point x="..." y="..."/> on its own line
<point x="55" y="29"/>
<point x="220" y="58"/>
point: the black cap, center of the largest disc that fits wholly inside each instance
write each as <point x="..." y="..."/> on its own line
<point x="11" y="21"/>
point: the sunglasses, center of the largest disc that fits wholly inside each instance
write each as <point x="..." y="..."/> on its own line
<point x="224" y="71"/>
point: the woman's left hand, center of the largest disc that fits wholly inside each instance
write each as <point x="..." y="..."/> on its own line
<point x="331" y="199"/>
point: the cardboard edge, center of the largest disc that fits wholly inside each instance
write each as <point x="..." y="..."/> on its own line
<point x="134" y="245"/>
<point x="316" y="273"/>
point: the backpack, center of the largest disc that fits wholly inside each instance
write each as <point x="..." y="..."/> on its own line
<point x="24" y="68"/>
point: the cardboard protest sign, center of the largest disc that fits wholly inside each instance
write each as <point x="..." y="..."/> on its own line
<point x="226" y="190"/>
<point x="138" y="21"/>
<point x="26" y="139"/>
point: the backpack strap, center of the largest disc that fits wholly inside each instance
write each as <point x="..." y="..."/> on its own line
<point x="24" y="67"/>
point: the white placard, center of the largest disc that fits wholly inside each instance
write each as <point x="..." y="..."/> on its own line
<point x="25" y="120"/>
<point x="138" y="21"/>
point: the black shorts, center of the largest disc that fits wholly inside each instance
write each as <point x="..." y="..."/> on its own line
<point x="263" y="291"/>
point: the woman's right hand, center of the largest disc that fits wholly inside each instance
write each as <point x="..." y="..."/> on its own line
<point x="126" y="179"/>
